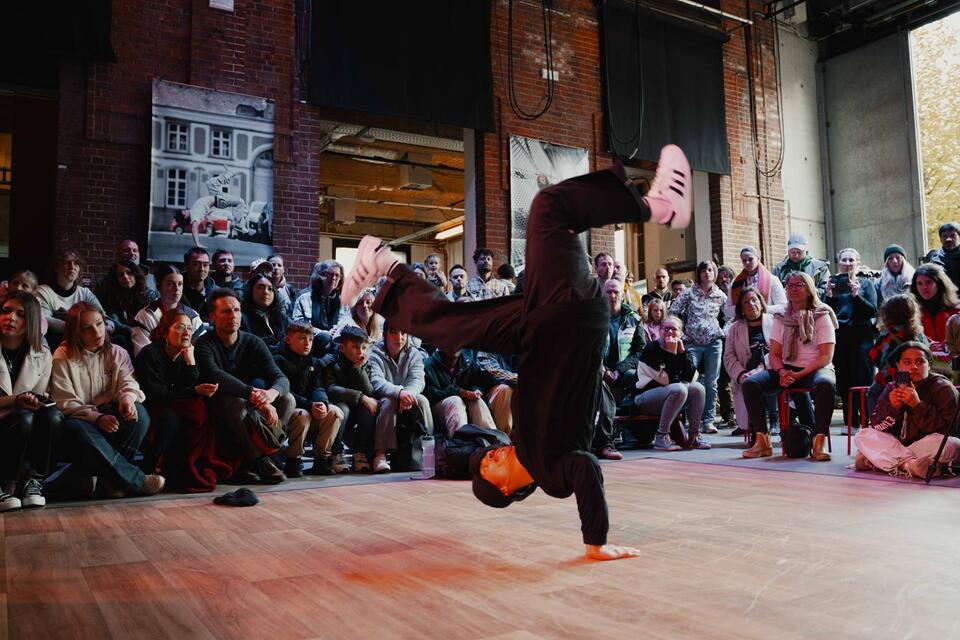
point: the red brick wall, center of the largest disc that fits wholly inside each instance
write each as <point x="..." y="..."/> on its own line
<point x="103" y="191"/>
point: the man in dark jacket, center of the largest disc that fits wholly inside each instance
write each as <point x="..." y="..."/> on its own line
<point x="253" y="404"/>
<point x="454" y="386"/>
<point x="948" y="255"/>
<point x="319" y="418"/>
<point x="560" y="325"/>
<point x="197" y="283"/>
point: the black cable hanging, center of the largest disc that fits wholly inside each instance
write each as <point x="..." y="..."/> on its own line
<point x="613" y="129"/>
<point x="757" y="51"/>
<point x="547" y="100"/>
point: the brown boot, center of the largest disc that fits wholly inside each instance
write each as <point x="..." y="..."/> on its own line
<point x="761" y="448"/>
<point x="818" y="454"/>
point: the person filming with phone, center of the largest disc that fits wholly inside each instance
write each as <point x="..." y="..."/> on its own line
<point x="912" y="415"/>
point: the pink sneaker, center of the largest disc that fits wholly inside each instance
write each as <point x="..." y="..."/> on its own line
<point x="670" y="198"/>
<point x="373" y="261"/>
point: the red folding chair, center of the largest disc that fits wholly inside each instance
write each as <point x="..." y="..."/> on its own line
<point x="862" y="391"/>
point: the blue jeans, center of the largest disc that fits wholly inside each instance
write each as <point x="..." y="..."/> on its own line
<point x="109" y="454"/>
<point x="705" y="358"/>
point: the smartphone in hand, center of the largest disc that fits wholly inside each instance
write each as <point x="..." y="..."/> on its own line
<point x="902" y="379"/>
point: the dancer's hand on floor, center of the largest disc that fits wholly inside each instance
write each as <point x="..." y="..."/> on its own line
<point x="610" y="552"/>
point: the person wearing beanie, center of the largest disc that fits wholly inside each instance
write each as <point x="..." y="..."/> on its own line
<point x="560" y="325"/>
<point x="948" y="256"/>
<point x="896" y="275"/>
<point x="797" y="259"/>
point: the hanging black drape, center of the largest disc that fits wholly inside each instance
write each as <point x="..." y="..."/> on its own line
<point x="677" y="87"/>
<point x="427" y="60"/>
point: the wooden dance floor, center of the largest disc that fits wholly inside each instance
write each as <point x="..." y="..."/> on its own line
<point x="727" y="553"/>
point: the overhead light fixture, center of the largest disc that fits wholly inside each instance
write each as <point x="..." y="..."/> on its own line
<point x="452" y="232"/>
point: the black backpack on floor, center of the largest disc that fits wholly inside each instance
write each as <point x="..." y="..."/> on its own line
<point x="453" y="454"/>
<point x="797" y="440"/>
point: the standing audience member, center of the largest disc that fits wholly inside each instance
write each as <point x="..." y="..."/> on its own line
<point x="897" y="273"/>
<point x="397" y="377"/>
<point x="263" y="313"/>
<point x="63" y="292"/>
<point x="852" y="294"/>
<point x="224" y="271"/>
<point x="454" y="387"/>
<point x="29" y="430"/>
<point x="129" y="250"/>
<point x="910" y="421"/>
<point x="899" y="323"/>
<point x="123" y="293"/>
<point x="631" y="295"/>
<point x="948" y="256"/>
<point x="346" y="375"/>
<point x="798" y="259"/>
<point x="939" y="301"/>
<point x="304" y="372"/>
<point x="458" y="283"/>
<point x="677" y="287"/>
<point x="320" y="305"/>
<point x="92" y="382"/>
<point x="656" y="313"/>
<point x="661" y="287"/>
<point x="725" y="276"/>
<point x="668" y="384"/>
<point x="801" y="355"/>
<point x="747" y="349"/>
<point x="508" y="276"/>
<point x="286" y="291"/>
<point x="183" y="439"/>
<point x="197" y="283"/>
<point x="755" y="275"/>
<point x="434" y="272"/>
<point x="363" y="316"/>
<point x="419" y="269"/>
<point x="253" y="404"/>
<point x="699" y="307"/>
<point x="170" y="283"/>
<point x="603" y="265"/>
<point x="484" y="286"/>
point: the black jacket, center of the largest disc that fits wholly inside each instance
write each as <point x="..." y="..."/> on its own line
<point x="161" y="378"/>
<point x="305" y="376"/>
<point x="344" y="382"/>
<point x="236" y="368"/>
<point x="441" y="383"/>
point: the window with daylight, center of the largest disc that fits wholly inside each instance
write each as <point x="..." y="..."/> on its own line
<point x="177" y="188"/>
<point x="177" y="137"/>
<point x="220" y="143"/>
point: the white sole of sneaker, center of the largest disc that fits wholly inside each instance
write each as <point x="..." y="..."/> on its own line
<point x="674" y="182"/>
<point x="360" y="276"/>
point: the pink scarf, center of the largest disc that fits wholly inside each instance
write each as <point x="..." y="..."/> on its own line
<point x="764" y="279"/>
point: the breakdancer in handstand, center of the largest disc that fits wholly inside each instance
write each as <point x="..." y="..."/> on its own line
<point x="559" y="326"/>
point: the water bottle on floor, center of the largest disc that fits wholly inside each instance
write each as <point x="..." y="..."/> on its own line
<point x="429" y="460"/>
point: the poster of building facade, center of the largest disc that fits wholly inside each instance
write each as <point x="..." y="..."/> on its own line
<point x="212" y="173"/>
<point x="535" y="164"/>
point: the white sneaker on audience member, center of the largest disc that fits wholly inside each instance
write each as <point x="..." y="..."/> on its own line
<point x="32" y="495"/>
<point x="380" y="464"/>
<point x="663" y="442"/>
<point x="373" y="260"/>
<point x="8" y="502"/>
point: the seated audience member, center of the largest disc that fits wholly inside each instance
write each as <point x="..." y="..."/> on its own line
<point x="197" y="283"/>
<point x="852" y="294"/>
<point x="397" y="377"/>
<point x="286" y="290"/>
<point x="434" y="272"/>
<point x="346" y="375"/>
<point x="502" y="381"/>
<point x="363" y="316"/>
<point x="63" y="292"/>
<point x="948" y="255"/>
<point x="939" y="301"/>
<point x="508" y="276"/>
<point x="458" y="283"/>
<point x="320" y="305"/>
<point x="667" y="384"/>
<point x="224" y="271"/>
<point x="129" y="250"/>
<point x="899" y="322"/>
<point x="755" y="275"/>
<point x="27" y="282"/>
<point x="747" y="349"/>
<point x="123" y="293"/>
<point x="182" y="439"/>
<point x="797" y="259"/>
<point x="484" y="286"/>
<point x="801" y="355"/>
<point x="656" y="312"/>
<point x="897" y="273"/>
<point x="909" y="422"/>
<point x="28" y="429"/>
<point x="323" y="418"/>
<point x="661" y="288"/>
<point x="677" y="287"/>
<point x="263" y="314"/>
<point x="92" y="381"/>
<point x="454" y="387"/>
<point x="253" y="405"/>
<point x="170" y="283"/>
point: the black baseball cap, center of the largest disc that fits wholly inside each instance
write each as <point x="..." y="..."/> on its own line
<point x="485" y="491"/>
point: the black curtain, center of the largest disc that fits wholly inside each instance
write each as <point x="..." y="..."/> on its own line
<point x="427" y="60"/>
<point x="671" y="74"/>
